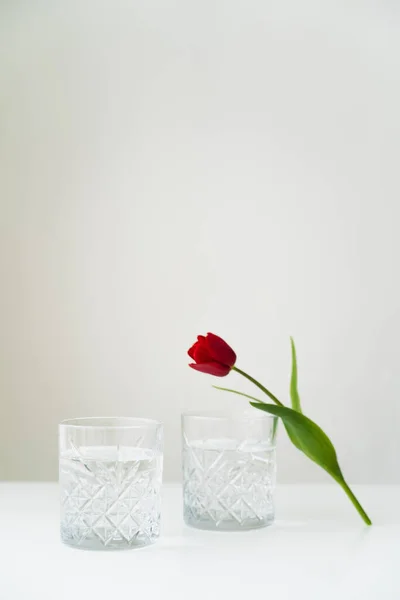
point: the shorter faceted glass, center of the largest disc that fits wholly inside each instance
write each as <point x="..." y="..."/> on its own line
<point x="110" y="480"/>
<point x="229" y="470"/>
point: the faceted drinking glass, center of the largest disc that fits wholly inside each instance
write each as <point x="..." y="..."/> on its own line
<point x="229" y="470"/>
<point x="110" y="479"/>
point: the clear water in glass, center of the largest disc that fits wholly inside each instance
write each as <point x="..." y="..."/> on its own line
<point x="110" y="496"/>
<point x="228" y="484"/>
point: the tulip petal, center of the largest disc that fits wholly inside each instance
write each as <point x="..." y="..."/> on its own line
<point x="219" y="350"/>
<point x="192" y="349"/>
<point x="201" y="342"/>
<point x="201" y="353"/>
<point x="212" y="368"/>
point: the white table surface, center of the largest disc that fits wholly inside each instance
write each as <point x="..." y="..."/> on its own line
<point x="318" y="549"/>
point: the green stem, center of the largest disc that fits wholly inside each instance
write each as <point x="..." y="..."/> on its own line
<point x="354" y="501"/>
<point x="258" y="384"/>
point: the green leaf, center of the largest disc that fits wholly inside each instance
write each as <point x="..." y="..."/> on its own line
<point x="307" y="437"/>
<point x="238" y="393"/>
<point x="304" y="433"/>
<point x="294" y="393"/>
<point x="314" y="443"/>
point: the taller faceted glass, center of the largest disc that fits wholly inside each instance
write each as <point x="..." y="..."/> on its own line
<point x="229" y="470"/>
<point x="110" y="479"/>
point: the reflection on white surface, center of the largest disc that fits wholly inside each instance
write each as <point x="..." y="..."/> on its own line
<point x="317" y="549"/>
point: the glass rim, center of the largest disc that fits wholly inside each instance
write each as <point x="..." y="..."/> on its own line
<point x="90" y="423"/>
<point x="210" y="415"/>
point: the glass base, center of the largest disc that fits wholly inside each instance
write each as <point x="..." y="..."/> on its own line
<point x="212" y="524"/>
<point x="93" y="543"/>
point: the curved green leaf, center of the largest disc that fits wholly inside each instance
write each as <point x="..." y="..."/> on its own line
<point x="307" y="436"/>
<point x="294" y="393"/>
<point x="217" y="387"/>
<point x="310" y="439"/>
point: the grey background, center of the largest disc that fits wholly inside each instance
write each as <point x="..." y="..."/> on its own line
<point x="168" y="168"/>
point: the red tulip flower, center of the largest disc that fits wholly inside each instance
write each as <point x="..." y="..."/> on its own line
<point x="212" y="355"/>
